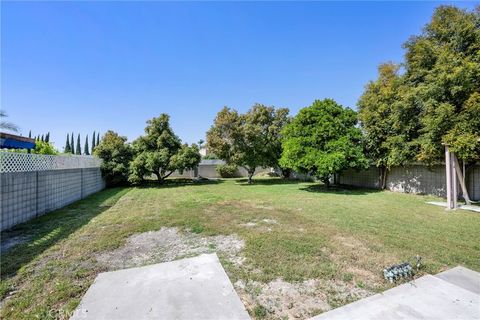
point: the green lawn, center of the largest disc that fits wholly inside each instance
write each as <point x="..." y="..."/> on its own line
<point x="345" y="235"/>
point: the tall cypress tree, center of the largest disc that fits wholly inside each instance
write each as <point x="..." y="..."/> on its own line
<point x="72" y="148"/>
<point x="78" y="149"/>
<point x="98" y="139"/>
<point x="47" y="138"/>
<point x="42" y="139"/>
<point x="30" y="133"/>
<point x="67" y="145"/>
<point x="93" y="141"/>
<point x="85" y="149"/>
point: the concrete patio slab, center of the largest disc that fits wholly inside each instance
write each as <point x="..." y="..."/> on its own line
<point x="462" y="277"/>
<point x="428" y="297"/>
<point x="194" y="288"/>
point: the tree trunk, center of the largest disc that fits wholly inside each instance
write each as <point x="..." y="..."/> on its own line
<point x="159" y="178"/>
<point x="286" y="172"/>
<point x="167" y="175"/>
<point x="383" y="177"/>
<point x="326" y="181"/>
<point x="250" y="175"/>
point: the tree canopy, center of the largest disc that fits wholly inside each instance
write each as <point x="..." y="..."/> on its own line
<point x="116" y="154"/>
<point x="435" y="101"/>
<point x="43" y="147"/>
<point x="160" y="152"/>
<point x="323" y="140"/>
<point x="443" y="71"/>
<point x="389" y="123"/>
<point x="67" y="148"/>
<point x="249" y="140"/>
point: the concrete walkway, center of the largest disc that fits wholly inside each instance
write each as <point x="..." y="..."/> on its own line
<point x="198" y="288"/>
<point x="194" y="288"/>
<point x="453" y="294"/>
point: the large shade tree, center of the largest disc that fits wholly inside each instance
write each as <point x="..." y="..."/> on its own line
<point x="248" y="140"/>
<point x="160" y="152"/>
<point x="442" y="70"/>
<point x="389" y="123"/>
<point x="323" y="140"/>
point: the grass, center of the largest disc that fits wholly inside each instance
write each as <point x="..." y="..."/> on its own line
<point x="344" y="234"/>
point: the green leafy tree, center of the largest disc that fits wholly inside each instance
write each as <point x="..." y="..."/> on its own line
<point x="86" y="148"/>
<point x="248" y="140"/>
<point x="78" y="149"/>
<point x="43" y="147"/>
<point x="390" y="125"/>
<point x="67" y="145"/>
<point x="72" y="148"/>
<point x="93" y="142"/>
<point x="116" y="154"/>
<point x="464" y="137"/>
<point x="442" y="70"/>
<point x="160" y="152"/>
<point x="323" y="140"/>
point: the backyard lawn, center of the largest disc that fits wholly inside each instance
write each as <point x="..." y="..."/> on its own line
<point x="292" y="249"/>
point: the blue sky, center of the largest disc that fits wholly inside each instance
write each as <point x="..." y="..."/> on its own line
<point x="84" y="66"/>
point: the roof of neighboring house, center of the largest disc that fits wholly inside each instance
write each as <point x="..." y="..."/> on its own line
<point x="12" y="141"/>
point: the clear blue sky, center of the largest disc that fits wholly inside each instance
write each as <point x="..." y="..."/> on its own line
<point x="84" y="66"/>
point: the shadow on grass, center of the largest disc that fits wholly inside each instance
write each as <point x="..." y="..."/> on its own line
<point x="178" y="182"/>
<point x="268" y="181"/>
<point x="341" y="189"/>
<point x="37" y="235"/>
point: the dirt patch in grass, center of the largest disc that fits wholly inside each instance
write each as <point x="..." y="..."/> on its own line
<point x="262" y="225"/>
<point x="357" y="260"/>
<point x="279" y="299"/>
<point x="169" y="244"/>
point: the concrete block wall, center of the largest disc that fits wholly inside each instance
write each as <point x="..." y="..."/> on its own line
<point x="417" y="179"/>
<point x="92" y="181"/>
<point x="473" y="183"/>
<point x="58" y="188"/>
<point x="26" y="195"/>
<point x="18" y="197"/>
<point x="364" y="178"/>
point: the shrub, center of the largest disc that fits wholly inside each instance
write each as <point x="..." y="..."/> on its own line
<point x="227" y="170"/>
<point x="42" y="147"/>
<point x="116" y="154"/>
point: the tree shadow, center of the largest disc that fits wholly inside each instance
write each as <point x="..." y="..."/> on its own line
<point x="268" y="181"/>
<point x="178" y="182"/>
<point x="339" y="189"/>
<point x="28" y="240"/>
